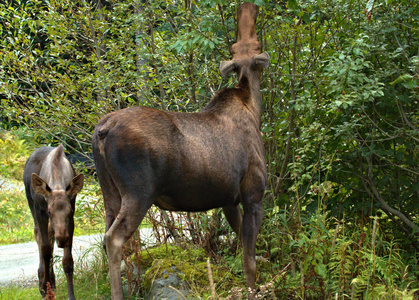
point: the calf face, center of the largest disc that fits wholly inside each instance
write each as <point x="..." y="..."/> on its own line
<point x="60" y="205"/>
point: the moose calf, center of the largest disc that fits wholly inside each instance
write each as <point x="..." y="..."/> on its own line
<point x="51" y="187"/>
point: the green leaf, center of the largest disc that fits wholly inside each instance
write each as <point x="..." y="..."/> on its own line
<point x="370" y="5"/>
<point x="402" y="78"/>
<point x="292" y="4"/>
<point x="407" y="80"/>
<point x="259" y="2"/>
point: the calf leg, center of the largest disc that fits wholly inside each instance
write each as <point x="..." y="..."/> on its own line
<point x="45" y="254"/>
<point x="68" y="263"/>
<point x="68" y="266"/>
<point x="126" y="222"/>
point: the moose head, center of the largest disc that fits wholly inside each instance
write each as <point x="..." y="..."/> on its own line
<point x="60" y="203"/>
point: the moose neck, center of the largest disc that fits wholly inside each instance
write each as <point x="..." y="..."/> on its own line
<point x="250" y="79"/>
<point x="244" y="50"/>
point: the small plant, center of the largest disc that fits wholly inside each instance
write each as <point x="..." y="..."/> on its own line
<point x="50" y="293"/>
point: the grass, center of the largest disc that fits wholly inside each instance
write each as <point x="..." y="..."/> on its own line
<point x="19" y="293"/>
<point x="91" y="280"/>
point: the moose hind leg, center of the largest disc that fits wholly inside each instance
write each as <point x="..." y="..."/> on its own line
<point x="125" y="224"/>
<point x="252" y="220"/>
<point x="234" y="217"/>
<point x="110" y="192"/>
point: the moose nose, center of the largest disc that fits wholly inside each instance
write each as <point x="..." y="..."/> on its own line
<point x="62" y="239"/>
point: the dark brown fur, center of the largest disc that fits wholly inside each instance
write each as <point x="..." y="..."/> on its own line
<point x="188" y="162"/>
<point x="51" y="186"/>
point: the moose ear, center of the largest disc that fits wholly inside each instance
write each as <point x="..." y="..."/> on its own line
<point x="226" y="67"/>
<point x="262" y="59"/>
<point x="75" y="186"/>
<point x="39" y="185"/>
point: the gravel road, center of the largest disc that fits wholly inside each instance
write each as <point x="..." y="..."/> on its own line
<point x="19" y="262"/>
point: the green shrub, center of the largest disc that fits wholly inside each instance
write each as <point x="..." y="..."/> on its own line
<point x="15" y="217"/>
<point x="13" y="155"/>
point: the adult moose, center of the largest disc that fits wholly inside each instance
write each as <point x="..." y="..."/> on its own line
<point x="188" y="161"/>
<point x="51" y="186"/>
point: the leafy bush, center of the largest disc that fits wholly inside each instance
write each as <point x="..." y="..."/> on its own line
<point x="13" y="155"/>
<point x="15" y="217"/>
<point x="90" y="213"/>
<point x="320" y="258"/>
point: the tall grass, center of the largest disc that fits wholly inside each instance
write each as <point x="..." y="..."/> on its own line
<point x="18" y="293"/>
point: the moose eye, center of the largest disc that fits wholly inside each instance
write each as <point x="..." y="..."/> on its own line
<point x="48" y="213"/>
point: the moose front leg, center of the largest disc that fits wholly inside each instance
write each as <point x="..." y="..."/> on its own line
<point x="45" y="271"/>
<point x="252" y="220"/>
<point x="68" y="266"/>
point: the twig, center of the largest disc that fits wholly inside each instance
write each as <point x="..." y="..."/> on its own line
<point x="211" y="280"/>
<point x="177" y="291"/>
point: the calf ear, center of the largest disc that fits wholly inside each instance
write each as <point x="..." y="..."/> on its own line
<point x="75" y="186"/>
<point x="226" y="67"/>
<point x="40" y="186"/>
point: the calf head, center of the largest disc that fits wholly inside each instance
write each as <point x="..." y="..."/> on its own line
<point x="60" y="205"/>
<point x="246" y="51"/>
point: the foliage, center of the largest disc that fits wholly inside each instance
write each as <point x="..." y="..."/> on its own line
<point x="70" y="63"/>
<point x="320" y="261"/>
<point x="90" y="211"/>
<point x="15" y="217"/>
<point x="13" y="155"/>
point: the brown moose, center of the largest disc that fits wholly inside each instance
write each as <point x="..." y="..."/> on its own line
<point x="51" y="187"/>
<point x="188" y="161"/>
